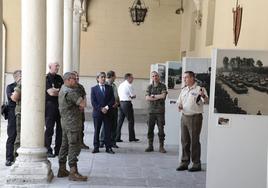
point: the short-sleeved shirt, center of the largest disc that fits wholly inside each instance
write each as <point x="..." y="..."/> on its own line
<point x="69" y="100"/>
<point x="188" y="100"/>
<point x="18" y="103"/>
<point x="53" y="80"/>
<point x="157" y="106"/>
<point x="125" y="91"/>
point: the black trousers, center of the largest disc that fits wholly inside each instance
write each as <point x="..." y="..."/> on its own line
<point x="52" y="116"/>
<point x="126" y="110"/>
<point x="98" y="121"/>
<point x="113" y="118"/>
<point x="11" y="134"/>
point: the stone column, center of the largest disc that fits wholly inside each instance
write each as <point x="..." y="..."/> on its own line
<point x="68" y="36"/>
<point x="55" y="33"/>
<point x="31" y="165"/>
<point x="1" y="55"/>
<point x="76" y="34"/>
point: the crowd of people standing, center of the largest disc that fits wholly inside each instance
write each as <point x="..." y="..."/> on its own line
<point x="64" y="112"/>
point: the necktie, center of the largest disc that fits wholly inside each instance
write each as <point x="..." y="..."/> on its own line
<point x="102" y="89"/>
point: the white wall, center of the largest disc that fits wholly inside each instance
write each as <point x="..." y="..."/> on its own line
<point x="237" y="155"/>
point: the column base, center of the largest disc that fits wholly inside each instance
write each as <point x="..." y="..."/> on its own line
<point x="30" y="167"/>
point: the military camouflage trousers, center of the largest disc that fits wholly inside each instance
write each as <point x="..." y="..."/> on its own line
<point x="18" y="129"/>
<point x="70" y="146"/>
<point x="159" y="119"/>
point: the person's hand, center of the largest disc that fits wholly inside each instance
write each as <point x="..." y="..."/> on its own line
<point x="180" y="107"/>
<point x="133" y="97"/>
<point x="202" y="93"/>
<point x="104" y="110"/>
<point x="116" y="104"/>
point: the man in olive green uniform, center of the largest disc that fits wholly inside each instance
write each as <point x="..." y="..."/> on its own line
<point x="156" y="95"/>
<point x="16" y="97"/>
<point x="71" y="103"/>
<point x="82" y="91"/>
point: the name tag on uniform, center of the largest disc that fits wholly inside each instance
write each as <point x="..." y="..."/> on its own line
<point x="194" y="94"/>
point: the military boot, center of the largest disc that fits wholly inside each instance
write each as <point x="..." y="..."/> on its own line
<point x="63" y="172"/>
<point x="161" y="147"/>
<point x="75" y="176"/>
<point x="150" y="147"/>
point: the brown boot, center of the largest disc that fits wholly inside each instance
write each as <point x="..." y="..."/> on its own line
<point x="161" y="147"/>
<point x="150" y="147"/>
<point x="75" y="176"/>
<point x="84" y="146"/>
<point x="63" y="172"/>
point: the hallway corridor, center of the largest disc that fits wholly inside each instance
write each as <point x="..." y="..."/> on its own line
<point x="129" y="167"/>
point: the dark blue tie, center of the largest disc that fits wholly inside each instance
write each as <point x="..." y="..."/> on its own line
<point x="102" y="89"/>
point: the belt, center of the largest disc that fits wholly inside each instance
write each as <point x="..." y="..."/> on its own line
<point x="125" y="101"/>
<point x="191" y="115"/>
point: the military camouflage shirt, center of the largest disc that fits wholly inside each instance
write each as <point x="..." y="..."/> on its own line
<point x="18" y="103"/>
<point x="116" y="97"/>
<point x="157" y="106"/>
<point x="69" y="100"/>
<point x="81" y="90"/>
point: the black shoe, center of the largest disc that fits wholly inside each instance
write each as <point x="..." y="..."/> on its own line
<point x="134" y="140"/>
<point x="119" y="140"/>
<point x="182" y="167"/>
<point x="50" y="155"/>
<point x="84" y="146"/>
<point x="115" y="146"/>
<point x="95" y="150"/>
<point x="102" y="145"/>
<point x="109" y="150"/>
<point x="9" y="163"/>
<point x="195" y="169"/>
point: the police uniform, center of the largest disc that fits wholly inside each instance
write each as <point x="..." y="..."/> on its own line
<point x="156" y="112"/>
<point x="18" y="120"/>
<point x="191" y="124"/>
<point x="71" y="119"/>
<point x="52" y="114"/>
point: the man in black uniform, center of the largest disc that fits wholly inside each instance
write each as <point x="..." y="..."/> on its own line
<point x="11" y="126"/>
<point x="52" y="114"/>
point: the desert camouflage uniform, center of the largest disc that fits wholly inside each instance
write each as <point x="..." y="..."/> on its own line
<point x="156" y="111"/>
<point x="71" y="119"/>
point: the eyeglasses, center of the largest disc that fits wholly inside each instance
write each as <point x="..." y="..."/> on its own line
<point x="155" y="75"/>
<point x="72" y="78"/>
<point x="102" y="76"/>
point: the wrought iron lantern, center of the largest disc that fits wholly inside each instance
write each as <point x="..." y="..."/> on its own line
<point x="138" y="12"/>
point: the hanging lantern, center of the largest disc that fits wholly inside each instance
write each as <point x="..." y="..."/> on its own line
<point x="138" y="12"/>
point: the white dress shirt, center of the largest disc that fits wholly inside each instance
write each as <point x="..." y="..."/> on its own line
<point x="125" y="91"/>
<point x="187" y="100"/>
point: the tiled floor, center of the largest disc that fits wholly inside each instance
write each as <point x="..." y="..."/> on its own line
<point x="130" y="167"/>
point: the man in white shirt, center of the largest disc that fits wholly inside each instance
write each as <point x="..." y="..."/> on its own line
<point x="190" y="102"/>
<point x="126" y="94"/>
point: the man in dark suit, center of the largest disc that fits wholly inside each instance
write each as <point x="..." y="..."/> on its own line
<point x="11" y="126"/>
<point x="102" y="100"/>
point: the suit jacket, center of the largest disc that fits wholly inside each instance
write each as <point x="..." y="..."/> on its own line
<point x="98" y="100"/>
<point x="9" y="91"/>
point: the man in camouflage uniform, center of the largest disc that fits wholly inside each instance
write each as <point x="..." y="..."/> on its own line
<point x="16" y="97"/>
<point x="71" y="103"/>
<point x="82" y="91"/>
<point x="156" y="95"/>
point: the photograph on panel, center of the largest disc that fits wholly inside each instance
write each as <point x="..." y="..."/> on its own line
<point x="241" y="82"/>
<point x="162" y="72"/>
<point x="174" y="79"/>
